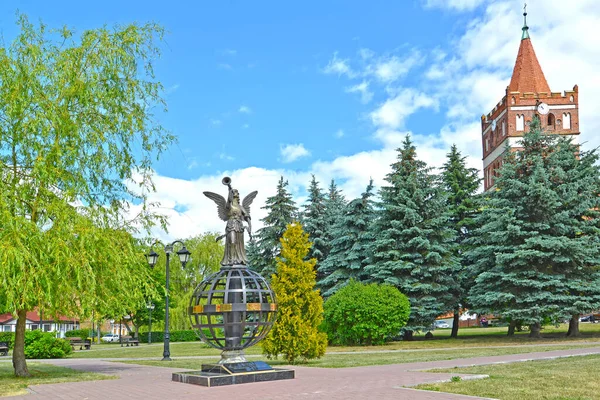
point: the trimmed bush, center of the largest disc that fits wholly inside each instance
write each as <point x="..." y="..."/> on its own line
<point x="40" y="344"/>
<point x="360" y="314"/>
<point x="176" y="336"/>
<point x="8" y="337"/>
<point x="81" y="333"/>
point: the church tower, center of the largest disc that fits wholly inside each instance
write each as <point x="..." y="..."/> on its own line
<point x="528" y="94"/>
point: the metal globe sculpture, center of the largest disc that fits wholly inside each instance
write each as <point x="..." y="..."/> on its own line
<point x="234" y="308"/>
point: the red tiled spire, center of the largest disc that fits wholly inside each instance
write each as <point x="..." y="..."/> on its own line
<point x="527" y="76"/>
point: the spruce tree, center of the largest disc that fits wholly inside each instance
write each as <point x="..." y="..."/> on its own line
<point x="335" y="204"/>
<point x="351" y="245"/>
<point x="461" y="185"/>
<point x="412" y="249"/>
<point x="313" y="219"/>
<point x="281" y="212"/>
<point x="537" y="250"/>
<point x="295" y="334"/>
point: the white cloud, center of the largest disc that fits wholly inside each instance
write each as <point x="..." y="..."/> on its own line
<point x="390" y="68"/>
<point x="458" y="5"/>
<point x="339" y="134"/>
<point x="245" y="110"/>
<point x="226" y="157"/>
<point x="292" y="152"/>
<point x="225" y="66"/>
<point x="393" y="112"/>
<point x="245" y="126"/>
<point x="229" y="52"/>
<point x="363" y="89"/>
<point x="215" y="122"/>
<point x="339" y="66"/>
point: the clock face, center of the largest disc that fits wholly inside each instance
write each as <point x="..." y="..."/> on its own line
<point x="543" y="108"/>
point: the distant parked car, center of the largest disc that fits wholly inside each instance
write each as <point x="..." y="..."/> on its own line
<point x="587" y="318"/>
<point x="441" y="325"/>
<point x="110" y="338"/>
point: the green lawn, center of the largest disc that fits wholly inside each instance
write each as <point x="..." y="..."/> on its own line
<point x="561" y="379"/>
<point x="471" y="337"/>
<point x="41" y="373"/>
<point x="333" y="360"/>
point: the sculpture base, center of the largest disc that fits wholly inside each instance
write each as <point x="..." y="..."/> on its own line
<point x="233" y="374"/>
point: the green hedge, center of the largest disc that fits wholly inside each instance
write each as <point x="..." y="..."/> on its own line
<point x="176" y="336"/>
<point x="40" y="345"/>
<point x="8" y="337"/>
<point x="81" y="333"/>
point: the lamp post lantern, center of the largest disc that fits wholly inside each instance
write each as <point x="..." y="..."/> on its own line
<point x="152" y="257"/>
<point x="150" y="307"/>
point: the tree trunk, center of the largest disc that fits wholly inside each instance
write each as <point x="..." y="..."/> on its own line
<point x="535" y="330"/>
<point x="18" y="357"/>
<point x="408" y="336"/>
<point x="137" y="330"/>
<point x="511" y="328"/>
<point x="573" y="326"/>
<point x="455" y="323"/>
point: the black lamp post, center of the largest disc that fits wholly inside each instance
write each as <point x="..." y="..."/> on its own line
<point x="184" y="256"/>
<point x="150" y="307"/>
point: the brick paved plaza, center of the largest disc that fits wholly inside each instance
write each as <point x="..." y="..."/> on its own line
<point x="376" y="382"/>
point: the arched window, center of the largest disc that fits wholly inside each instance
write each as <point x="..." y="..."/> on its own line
<point x="512" y="101"/>
<point x="571" y="98"/>
<point x="567" y="121"/>
<point x="551" y="121"/>
<point x="520" y="122"/>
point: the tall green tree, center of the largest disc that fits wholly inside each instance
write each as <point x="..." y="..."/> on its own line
<point x="313" y="220"/>
<point x="282" y="211"/>
<point x="351" y="245"/>
<point x="461" y="185"/>
<point x="537" y="251"/>
<point x="295" y="334"/>
<point x="77" y="141"/>
<point x="412" y="249"/>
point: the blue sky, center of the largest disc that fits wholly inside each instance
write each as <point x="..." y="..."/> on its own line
<point x="262" y="89"/>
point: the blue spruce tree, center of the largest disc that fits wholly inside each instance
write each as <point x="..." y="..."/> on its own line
<point x="538" y="246"/>
<point x="351" y="245"/>
<point x="412" y="248"/>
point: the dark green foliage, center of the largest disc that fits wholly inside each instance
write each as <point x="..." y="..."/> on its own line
<point x="351" y="245"/>
<point x="281" y="212"/>
<point x="461" y="184"/>
<point x="360" y="314"/>
<point x="314" y="222"/>
<point x="538" y="247"/>
<point x="8" y="337"/>
<point x="175" y="336"/>
<point x="412" y="249"/>
<point x="41" y="345"/>
<point x="81" y="333"/>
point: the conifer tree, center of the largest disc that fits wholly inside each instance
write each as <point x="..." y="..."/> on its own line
<point x="412" y="249"/>
<point x="313" y="219"/>
<point x="281" y="212"/>
<point x="295" y="334"/>
<point x="351" y="245"/>
<point x="537" y="250"/>
<point x="461" y="185"/>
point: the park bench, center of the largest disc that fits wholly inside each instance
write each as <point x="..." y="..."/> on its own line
<point x="74" y="341"/>
<point x="128" y="340"/>
<point x="3" y="349"/>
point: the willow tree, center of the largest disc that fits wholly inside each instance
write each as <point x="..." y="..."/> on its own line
<point x="77" y="140"/>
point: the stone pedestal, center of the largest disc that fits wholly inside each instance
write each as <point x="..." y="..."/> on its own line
<point x="233" y="374"/>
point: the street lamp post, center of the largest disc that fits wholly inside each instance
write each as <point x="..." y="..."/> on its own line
<point x="150" y="307"/>
<point x="152" y="257"/>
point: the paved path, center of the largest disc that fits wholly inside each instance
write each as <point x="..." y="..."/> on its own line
<point x="376" y="382"/>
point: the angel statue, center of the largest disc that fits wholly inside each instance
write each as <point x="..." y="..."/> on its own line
<point x="235" y="214"/>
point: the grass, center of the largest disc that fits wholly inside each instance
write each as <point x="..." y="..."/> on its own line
<point x="468" y="338"/>
<point x="41" y="373"/>
<point x="337" y="360"/>
<point x="560" y="379"/>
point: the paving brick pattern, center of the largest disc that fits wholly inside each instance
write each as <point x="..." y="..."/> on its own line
<point x="376" y="382"/>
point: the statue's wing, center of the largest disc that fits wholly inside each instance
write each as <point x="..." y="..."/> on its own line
<point x="248" y="200"/>
<point x="221" y="204"/>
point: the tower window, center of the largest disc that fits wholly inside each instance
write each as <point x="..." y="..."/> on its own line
<point x="512" y="101"/>
<point x="551" y="120"/>
<point x="520" y="122"/>
<point x="503" y="128"/>
<point x="571" y="98"/>
<point x="567" y="120"/>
